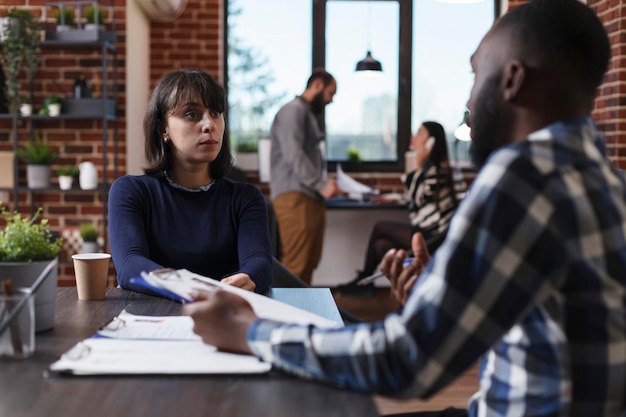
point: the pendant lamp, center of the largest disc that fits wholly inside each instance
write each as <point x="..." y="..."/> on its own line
<point x="368" y="63"/>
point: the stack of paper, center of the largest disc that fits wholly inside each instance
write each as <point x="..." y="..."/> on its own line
<point x="352" y="187"/>
<point x="132" y="344"/>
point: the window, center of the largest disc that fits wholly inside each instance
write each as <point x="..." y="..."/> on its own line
<point x="442" y="76"/>
<point x="269" y="61"/>
<point x="424" y="47"/>
<point x="364" y="112"/>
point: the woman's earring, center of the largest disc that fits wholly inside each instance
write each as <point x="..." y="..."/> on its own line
<point x="165" y="139"/>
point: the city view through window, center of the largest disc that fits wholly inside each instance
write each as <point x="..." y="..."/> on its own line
<point x="269" y="60"/>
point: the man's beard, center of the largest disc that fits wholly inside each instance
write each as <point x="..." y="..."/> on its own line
<point x="317" y="104"/>
<point x="485" y="120"/>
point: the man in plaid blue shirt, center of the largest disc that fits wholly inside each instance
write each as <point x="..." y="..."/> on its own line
<point x="531" y="279"/>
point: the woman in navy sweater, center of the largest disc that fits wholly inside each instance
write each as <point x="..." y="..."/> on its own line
<point x="184" y="213"/>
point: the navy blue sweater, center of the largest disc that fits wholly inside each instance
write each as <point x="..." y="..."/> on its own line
<point x="215" y="233"/>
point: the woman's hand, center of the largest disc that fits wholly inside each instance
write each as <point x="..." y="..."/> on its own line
<point x="423" y="151"/>
<point x="240" y="280"/>
<point x="221" y="319"/>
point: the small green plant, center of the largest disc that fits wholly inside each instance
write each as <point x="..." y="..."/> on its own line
<point x="53" y="99"/>
<point x="247" y="147"/>
<point x="24" y="240"/>
<point x="88" y="232"/>
<point x="68" y="170"/>
<point x="64" y="16"/>
<point x="353" y="155"/>
<point x="37" y="153"/>
<point x="91" y="12"/>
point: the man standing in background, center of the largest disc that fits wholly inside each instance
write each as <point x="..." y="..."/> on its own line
<point x="298" y="184"/>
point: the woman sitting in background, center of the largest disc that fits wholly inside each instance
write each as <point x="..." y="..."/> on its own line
<point x="184" y="213"/>
<point x="431" y="198"/>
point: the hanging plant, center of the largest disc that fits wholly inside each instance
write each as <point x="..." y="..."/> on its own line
<point x="20" y="50"/>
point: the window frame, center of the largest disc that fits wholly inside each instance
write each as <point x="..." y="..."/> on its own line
<point x="405" y="69"/>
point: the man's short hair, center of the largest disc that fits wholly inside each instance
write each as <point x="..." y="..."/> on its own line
<point x="561" y="34"/>
<point x="322" y="74"/>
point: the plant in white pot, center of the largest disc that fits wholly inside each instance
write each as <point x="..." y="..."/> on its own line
<point x="64" y="16"/>
<point x="247" y="156"/>
<point x="52" y="105"/>
<point x="94" y="16"/>
<point x="89" y="234"/>
<point x="67" y="173"/>
<point x="38" y="156"/>
<point x="26" y="249"/>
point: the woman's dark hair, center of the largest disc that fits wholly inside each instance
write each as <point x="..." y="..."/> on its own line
<point x="171" y="91"/>
<point x="439" y="158"/>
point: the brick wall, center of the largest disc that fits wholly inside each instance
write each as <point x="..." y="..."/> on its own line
<point x="75" y="141"/>
<point x="194" y="40"/>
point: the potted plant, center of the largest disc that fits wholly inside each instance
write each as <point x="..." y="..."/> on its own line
<point x="89" y="234"/>
<point x="52" y="105"/>
<point x="247" y="155"/>
<point x="354" y="156"/>
<point x="38" y="156"/>
<point x="20" y="52"/>
<point x="67" y="173"/>
<point x="26" y="107"/>
<point x="94" y="16"/>
<point x="65" y="18"/>
<point x="26" y="249"/>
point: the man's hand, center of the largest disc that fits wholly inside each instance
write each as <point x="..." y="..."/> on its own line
<point x="330" y="189"/>
<point x="241" y="280"/>
<point x="221" y="319"/>
<point x="402" y="279"/>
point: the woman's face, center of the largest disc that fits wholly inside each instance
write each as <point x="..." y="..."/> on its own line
<point x="195" y="133"/>
<point x="419" y="139"/>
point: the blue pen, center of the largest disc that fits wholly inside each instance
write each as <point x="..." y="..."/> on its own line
<point x="379" y="274"/>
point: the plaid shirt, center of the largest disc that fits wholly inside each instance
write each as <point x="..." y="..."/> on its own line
<point x="531" y="280"/>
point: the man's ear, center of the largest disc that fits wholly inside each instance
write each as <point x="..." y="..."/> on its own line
<point x="318" y="85"/>
<point x="513" y="79"/>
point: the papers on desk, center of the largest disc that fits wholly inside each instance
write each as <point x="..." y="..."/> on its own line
<point x="352" y="187"/>
<point x="132" y="344"/>
<point x="101" y="356"/>
<point x="181" y="282"/>
<point x="131" y="326"/>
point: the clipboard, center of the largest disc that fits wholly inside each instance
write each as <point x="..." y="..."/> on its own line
<point x="151" y="345"/>
<point x="178" y="285"/>
<point x="155" y="345"/>
<point x="103" y="356"/>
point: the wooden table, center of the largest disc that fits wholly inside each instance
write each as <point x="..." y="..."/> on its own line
<point x="26" y="392"/>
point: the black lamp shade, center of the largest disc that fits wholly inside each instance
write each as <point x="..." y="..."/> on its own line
<point x="368" y="64"/>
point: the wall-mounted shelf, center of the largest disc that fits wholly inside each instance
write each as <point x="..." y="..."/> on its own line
<point x="102" y="109"/>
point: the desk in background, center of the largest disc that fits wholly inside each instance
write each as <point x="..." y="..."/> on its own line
<point x="24" y="392"/>
<point x="348" y="227"/>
